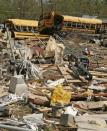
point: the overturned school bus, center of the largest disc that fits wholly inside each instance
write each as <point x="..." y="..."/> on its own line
<point x="52" y="22"/>
<point x="22" y="29"/>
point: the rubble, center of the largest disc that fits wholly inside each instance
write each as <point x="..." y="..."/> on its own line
<point x="65" y="90"/>
<point x="17" y="85"/>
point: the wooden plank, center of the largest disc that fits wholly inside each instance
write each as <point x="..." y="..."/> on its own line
<point x="104" y="70"/>
<point x="74" y="81"/>
<point x="98" y="73"/>
<point x="63" y="71"/>
<point x="88" y="119"/>
<point x="102" y="116"/>
<point x="91" y="123"/>
<point x="81" y="129"/>
<point x="69" y="79"/>
<point x="91" y="127"/>
<point x="81" y="78"/>
<point x="90" y="105"/>
<point x="100" y="79"/>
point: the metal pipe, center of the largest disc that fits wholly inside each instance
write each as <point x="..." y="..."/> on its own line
<point x="38" y="37"/>
<point x="14" y="128"/>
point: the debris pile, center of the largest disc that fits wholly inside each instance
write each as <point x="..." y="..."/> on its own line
<point x="57" y="85"/>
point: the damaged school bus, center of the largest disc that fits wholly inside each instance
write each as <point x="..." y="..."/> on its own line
<point x="51" y="22"/>
<point x="21" y="28"/>
<point x="88" y="25"/>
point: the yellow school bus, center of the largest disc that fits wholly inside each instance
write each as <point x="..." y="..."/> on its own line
<point x="88" y="25"/>
<point x="23" y="29"/>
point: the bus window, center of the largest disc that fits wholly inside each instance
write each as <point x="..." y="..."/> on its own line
<point x="21" y="29"/>
<point x="30" y="28"/>
<point x="24" y="28"/>
<point x="73" y="24"/>
<point x="87" y="26"/>
<point x="17" y="28"/>
<point x="83" y="26"/>
<point x="69" y="24"/>
<point x="92" y="26"/>
<point x="98" y="28"/>
<point x="79" y="25"/>
<point x="34" y="29"/>
<point x="65" y="24"/>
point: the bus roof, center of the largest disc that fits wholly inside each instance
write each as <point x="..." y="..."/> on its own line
<point x="82" y="20"/>
<point x="21" y="22"/>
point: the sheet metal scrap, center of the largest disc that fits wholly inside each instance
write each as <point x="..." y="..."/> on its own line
<point x="80" y="66"/>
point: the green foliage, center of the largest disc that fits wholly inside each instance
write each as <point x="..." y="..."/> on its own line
<point x="81" y="7"/>
<point x="31" y="9"/>
<point x="26" y="9"/>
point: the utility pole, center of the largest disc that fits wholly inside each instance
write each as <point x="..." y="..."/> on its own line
<point x="42" y="7"/>
<point x="55" y="6"/>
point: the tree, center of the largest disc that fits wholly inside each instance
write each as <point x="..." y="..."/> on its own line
<point x="31" y="9"/>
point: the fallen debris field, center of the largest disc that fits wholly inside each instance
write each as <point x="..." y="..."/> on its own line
<point x="54" y="85"/>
